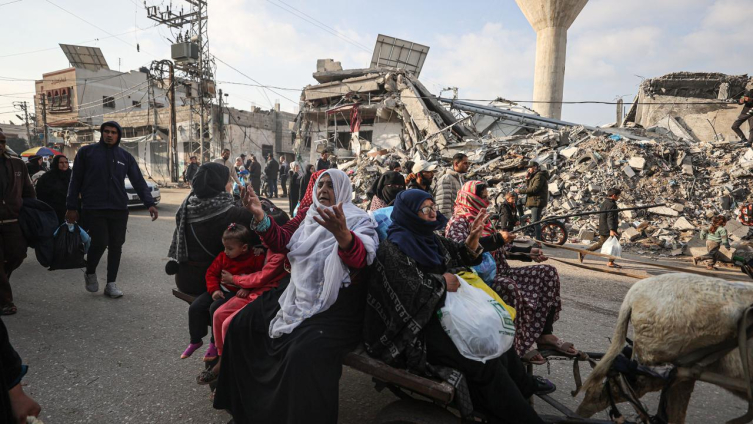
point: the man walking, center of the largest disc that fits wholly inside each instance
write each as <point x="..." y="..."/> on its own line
<point x="254" y="174"/>
<point x="537" y="190"/>
<point x="323" y="162"/>
<point x="191" y="170"/>
<point x="284" y="169"/>
<point x="271" y="170"/>
<point x="230" y="165"/>
<point x="745" y="115"/>
<point x="98" y="177"/>
<point x="608" y="224"/>
<point x="451" y="182"/>
<point x="15" y="185"/>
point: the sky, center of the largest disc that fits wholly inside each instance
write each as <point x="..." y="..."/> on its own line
<point x="486" y="48"/>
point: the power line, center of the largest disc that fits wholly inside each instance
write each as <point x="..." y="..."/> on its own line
<point x="319" y="24"/>
<point x="257" y="82"/>
<point x="10" y="2"/>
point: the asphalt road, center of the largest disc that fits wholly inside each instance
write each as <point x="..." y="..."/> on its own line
<point x="97" y="360"/>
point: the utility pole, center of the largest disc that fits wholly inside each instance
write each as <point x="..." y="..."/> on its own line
<point x="44" y="120"/>
<point x="221" y="122"/>
<point x="196" y="66"/>
<point x="23" y="106"/>
<point x="172" y="144"/>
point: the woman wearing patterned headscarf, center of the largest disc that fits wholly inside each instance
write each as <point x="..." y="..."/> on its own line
<point x="534" y="291"/>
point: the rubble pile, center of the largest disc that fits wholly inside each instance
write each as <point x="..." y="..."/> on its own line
<point x="694" y="181"/>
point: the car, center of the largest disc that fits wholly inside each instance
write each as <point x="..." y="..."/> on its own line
<point x="133" y="198"/>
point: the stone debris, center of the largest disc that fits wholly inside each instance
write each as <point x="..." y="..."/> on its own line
<point x="671" y="162"/>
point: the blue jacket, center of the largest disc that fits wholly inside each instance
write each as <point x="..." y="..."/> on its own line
<point x="99" y="172"/>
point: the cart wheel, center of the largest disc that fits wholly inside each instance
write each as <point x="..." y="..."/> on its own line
<point x="411" y="411"/>
<point x="554" y="232"/>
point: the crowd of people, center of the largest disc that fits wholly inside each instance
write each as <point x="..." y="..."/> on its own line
<point x="285" y="292"/>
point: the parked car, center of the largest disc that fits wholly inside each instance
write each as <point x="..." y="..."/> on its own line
<point x="133" y="198"/>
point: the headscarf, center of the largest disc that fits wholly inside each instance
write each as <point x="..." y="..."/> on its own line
<point x="469" y="205"/>
<point x="300" y="168"/>
<point x="308" y="198"/>
<point x="210" y="180"/>
<point x="317" y="272"/>
<point x="206" y="200"/>
<point x="55" y="170"/>
<point x="414" y="236"/>
<point x="388" y="194"/>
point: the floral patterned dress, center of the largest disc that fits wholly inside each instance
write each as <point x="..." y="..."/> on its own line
<point x="534" y="291"/>
<point x="377" y="203"/>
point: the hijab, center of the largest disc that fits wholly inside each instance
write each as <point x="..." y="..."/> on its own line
<point x="388" y="194"/>
<point x="316" y="271"/>
<point x="468" y="204"/>
<point x="300" y="169"/>
<point x="210" y="180"/>
<point x="414" y="236"/>
<point x="55" y="169"/>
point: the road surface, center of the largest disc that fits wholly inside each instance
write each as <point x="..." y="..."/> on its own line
<point x="97" y="360"/>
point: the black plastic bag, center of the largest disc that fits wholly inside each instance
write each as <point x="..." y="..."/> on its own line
<point x="38" y="222"/>
<point x="68" y="251"/>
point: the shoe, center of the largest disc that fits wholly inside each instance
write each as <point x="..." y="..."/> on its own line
<point x="112" y="290"/>
<point x="191" y="349"/>
<point x="542" y="386"/>
<point x="92" y="284"/>
<point x="211" y="354"/>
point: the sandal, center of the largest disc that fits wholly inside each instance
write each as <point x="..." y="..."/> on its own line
<point x="9" y="309"/>
<point x="559" y="346"/>
<point x="206" y="377"/>
<point x="528" y="357"/>
<point x="614" y="265"/>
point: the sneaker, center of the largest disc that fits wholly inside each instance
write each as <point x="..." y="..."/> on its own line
<point x="191" y="349"/>
<point x="542" y="386"/>
<point x="211" y="354"/>
<point x="113" y="291"/>
<point x="92" y="285"/>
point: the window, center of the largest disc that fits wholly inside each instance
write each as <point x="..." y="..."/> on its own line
<point x="136" y="103"/>
<point x="108" y="101"/>
<point x="266" y="150"/>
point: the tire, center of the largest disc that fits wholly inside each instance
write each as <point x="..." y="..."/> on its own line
<point x="554" y="232"/>
<point x="411" y="411"/>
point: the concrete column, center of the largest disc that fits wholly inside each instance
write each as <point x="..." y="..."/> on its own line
<point x="551" y="20"/>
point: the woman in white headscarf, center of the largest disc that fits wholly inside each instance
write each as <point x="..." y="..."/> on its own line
<point x="283" y="353"/>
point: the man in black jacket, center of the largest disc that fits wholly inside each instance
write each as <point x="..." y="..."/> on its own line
<point x="271" y="170"/>
<point x="191" y="170"/>
<point x="746" y="114"/>
<point x="99" y="175"/>
<point x="15" y="185"/>
<point x="284" y="169"/>
<point x="254" y="173"/>
<point x="608" y="223"/>
<point x="508" y="215"/>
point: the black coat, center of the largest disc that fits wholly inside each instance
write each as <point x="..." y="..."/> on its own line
<point x="294" y="189"/>
<point x="608" y="221"/>
<point x="508" y="216"/>
<point x="322" y="164"/>
<point x="191" y="170"/>
<point x="304" y="185"/>
<point x="254" y="172"/>
<point x="272" y="169"/>
<point x="52" y="188"/>
<point x="190" y="276"/>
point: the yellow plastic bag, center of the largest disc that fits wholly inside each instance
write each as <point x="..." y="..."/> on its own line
<point x="474" y="280"/>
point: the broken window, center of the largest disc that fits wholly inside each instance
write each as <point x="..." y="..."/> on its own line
<point x="136" y="103"/>
<point x="108" y="101"/>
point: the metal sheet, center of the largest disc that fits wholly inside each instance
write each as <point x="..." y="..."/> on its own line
<point x="393" y="52"/>
<point x="90" y="58"/>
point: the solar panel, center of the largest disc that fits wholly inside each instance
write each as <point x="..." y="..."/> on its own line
<point x="393" y="52"/>
<point x="90" y="58"/>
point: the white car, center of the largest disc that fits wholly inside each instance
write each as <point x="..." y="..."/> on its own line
<point x="133" y="198"/>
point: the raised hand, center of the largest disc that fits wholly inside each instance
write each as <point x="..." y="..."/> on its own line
<point x="334" y="221"/>
<point x="476" y="229"/>
<point x="251" y="202"/>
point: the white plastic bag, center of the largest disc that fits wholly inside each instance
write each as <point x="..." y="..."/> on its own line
<point x="612" y="247"/>
<point x="480" y="327"/>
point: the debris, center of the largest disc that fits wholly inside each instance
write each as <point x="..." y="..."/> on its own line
<point x="683" y="224"/>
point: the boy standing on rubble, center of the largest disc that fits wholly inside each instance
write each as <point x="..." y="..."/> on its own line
<point x="608" y="224"/>
<point x="745" y="115"/>
<point x="537" y="192"/>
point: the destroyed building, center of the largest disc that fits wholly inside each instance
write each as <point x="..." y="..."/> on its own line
<point x="673" y="148"/>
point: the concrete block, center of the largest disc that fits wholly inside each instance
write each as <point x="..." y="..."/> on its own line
<point x="696" y="247"/>
<point x="637" y="162"/>
<point x="678" y="207"/>
<point x="726" y="254"/>
<point x="594" y="188"/>
<point x="569" y="152"/>
<point x="664" y="211"/>
<point x="631" y="234"/>
<point x="687" y="169"/>
<point x="683" y="224"/>
<point x="736" y="230"/>
<point x="586" y="235"/>
<point x="628" y="171"/>
<point x="554" y="189"/>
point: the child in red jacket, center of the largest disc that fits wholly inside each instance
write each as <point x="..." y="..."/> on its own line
<point x="237" y="258"/>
